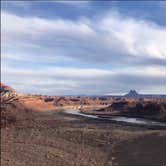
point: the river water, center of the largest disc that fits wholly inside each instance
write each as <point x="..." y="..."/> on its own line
<point x="140" y="121"/>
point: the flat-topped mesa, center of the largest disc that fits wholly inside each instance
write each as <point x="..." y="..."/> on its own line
<point x="6" y="89"/>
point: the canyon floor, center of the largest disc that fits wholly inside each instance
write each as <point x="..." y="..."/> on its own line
<point x="58" y="139"/>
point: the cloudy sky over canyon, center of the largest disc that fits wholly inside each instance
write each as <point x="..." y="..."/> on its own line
<point x="84" y="47"/>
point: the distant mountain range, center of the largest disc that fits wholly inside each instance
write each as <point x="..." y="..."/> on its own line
<point x="131" y="94"/>
<point x="134" y="94"/>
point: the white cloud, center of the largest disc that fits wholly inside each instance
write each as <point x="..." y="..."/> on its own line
<point x="74" y="3"/>
<point x="105" y="40"/>
<point x="143" y="71"/>
<point x="135" y="49"/>
<point x="60" y="80"/>
<point x="138" y="37"/>
<point x="58" y="72"/>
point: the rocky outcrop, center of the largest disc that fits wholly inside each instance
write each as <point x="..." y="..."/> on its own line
<point x="148" y="109"/>
<point x="5" y="89"/>
<point x="12" y="110"/>
<point x="132" y="93"/>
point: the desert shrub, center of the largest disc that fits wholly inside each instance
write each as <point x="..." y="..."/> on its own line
<point x="7" y="99"/>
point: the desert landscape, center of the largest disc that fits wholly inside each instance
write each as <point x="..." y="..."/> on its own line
<point x="83" y="83"/>
<point x="36" y="131"/>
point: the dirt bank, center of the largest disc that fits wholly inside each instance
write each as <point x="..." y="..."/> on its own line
<point x="57" y="139"/>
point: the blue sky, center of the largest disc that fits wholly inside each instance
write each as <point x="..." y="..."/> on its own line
<point x="84" y="47"/>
